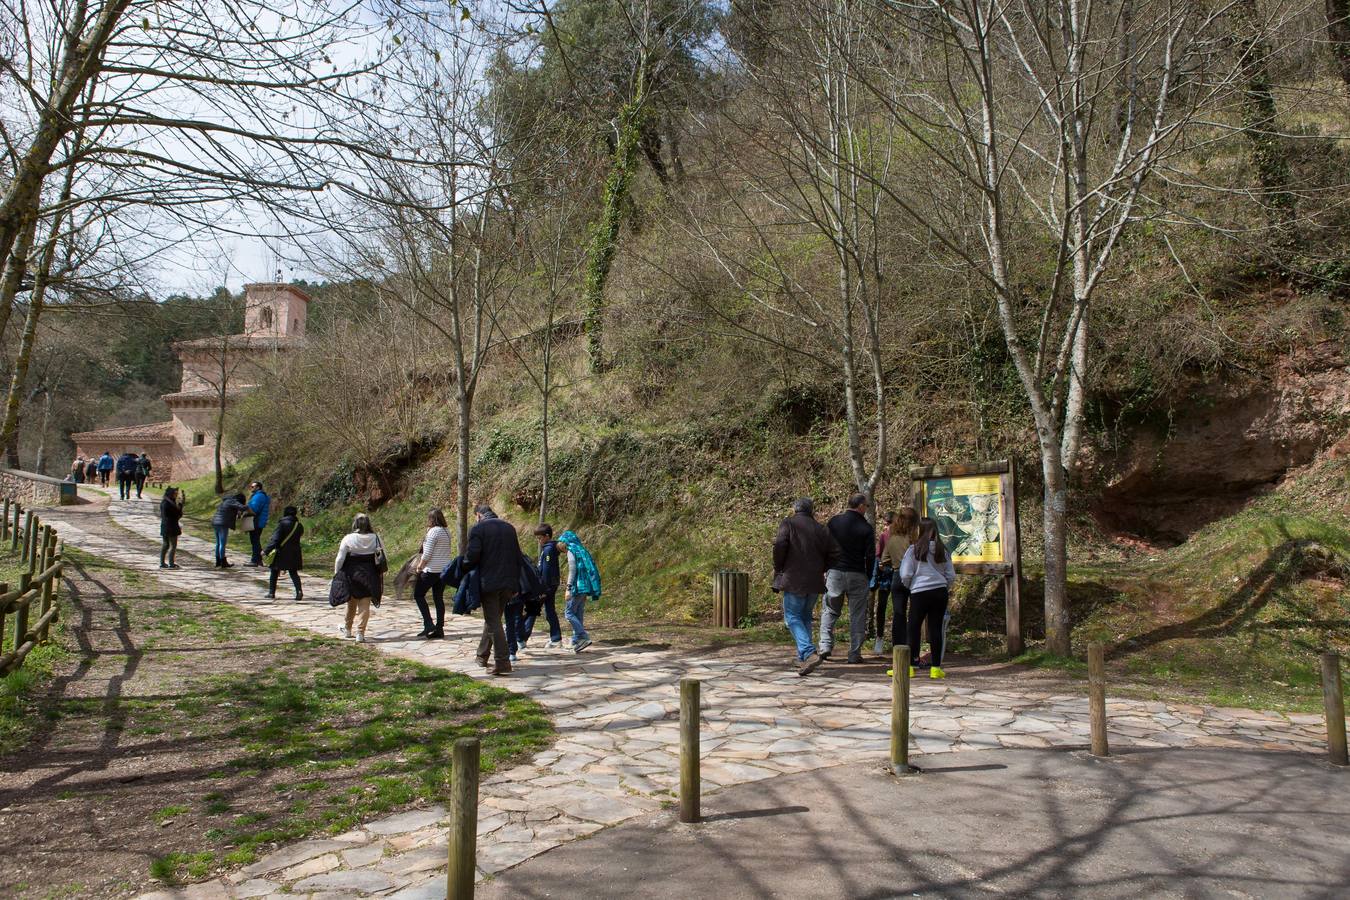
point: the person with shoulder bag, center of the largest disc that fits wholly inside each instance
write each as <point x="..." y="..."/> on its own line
<point x="170" y="511"/>
<point x="898" y="538"/>
<point x="928" y="572"/>
<point x="358" y="576"/>
<point x="282" y="553"/>
<point x="227" y="516"/>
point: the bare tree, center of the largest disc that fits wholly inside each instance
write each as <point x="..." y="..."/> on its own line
<point x="1051" y="117"/>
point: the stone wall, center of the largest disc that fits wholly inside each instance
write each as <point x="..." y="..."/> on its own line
<point x="31" y="489"/>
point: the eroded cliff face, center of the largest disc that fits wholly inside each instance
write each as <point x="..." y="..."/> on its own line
<point x="1229" y="439"/>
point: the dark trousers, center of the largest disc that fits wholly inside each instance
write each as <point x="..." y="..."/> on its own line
<point x="295" y="580"/>
<point x="255" y="539"/>
<point x="103" y="477"/>
<point x="140" y="485"/>
<point x="430" y="581"/>
<point x="930" y="606"/>
<point x="515" y="626"/>
<point x="168" y="549"/>
<point x="124" y="487"/>
<point x="493" y="641"/>
<point x="550" y="605"/>
<point x="899" y="594"/>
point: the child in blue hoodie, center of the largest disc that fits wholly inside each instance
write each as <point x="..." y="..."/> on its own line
<point x="550" y="574"/>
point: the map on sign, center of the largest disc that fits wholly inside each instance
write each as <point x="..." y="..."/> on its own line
<point x="969" y="515"/>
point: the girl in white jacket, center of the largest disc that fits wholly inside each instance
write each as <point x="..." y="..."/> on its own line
<point x="928" y="573"/>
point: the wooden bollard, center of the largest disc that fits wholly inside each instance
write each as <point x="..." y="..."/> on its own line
<point x="4" y="523"/>
<point x="48" y="586"/>
<point x="689" y="777"/>
<point x="1334" y="702"/>
<point x="14" y="531"/>
<point x="1097" y="698"/>
<point x="900" y="710"/>
<point x="27" y="533"/>
<point x="4" y="589"/>
<point x="463" y="820"/>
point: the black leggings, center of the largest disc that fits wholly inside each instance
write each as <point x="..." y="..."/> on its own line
<point x="930" y="605"/>
<point x="899" y="623"/>
<point x="168" y="549"/>
<point x="425" y="581"/>
<point x="272" y="581"/>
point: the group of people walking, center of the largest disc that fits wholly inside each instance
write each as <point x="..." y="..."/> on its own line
<point x="491" y="573"/>
<point x="843" y="560"/>
<point x="131" y="470"/>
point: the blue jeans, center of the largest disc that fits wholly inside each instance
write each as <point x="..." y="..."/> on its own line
<point x="514" y="618"/>
<point x="550" y="609"/>
<point x="798" y="610"/>
<point x="576" y="615"/>
<point x="222" y="535"/>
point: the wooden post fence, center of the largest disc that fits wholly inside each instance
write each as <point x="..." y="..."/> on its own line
<point x="1097" y="698"/>
<point x="463" y="836"/>
<point x="26" y="613"/>
<point x="731" y="598"/>
<point x="900" y="710"/>
<point x="689" y="776"/>
<point x="1334" y="702"/>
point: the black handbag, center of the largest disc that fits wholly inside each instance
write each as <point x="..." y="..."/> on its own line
<point x="381" y="560"/>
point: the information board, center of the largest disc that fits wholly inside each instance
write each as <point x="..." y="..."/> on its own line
<point x="969" y="516"/>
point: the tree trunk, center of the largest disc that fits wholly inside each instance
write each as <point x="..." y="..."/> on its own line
<point x="462" y="503"/>
<point x="1338" y="36"/>
<point x="605" y="232"/>
<point x="40" y="460"/>
<point x="1269" y="153"/>
<point x="1056" y="504"/>
<point x="543" y="427"/>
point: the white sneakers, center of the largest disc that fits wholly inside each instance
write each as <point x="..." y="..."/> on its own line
<point x="553" y="645"/>
<point x="877" y="648"/>
<point x="344" y="632"/>
<point x="361" y="637"/>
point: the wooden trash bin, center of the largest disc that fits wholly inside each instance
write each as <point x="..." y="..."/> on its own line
<point x="731" y="598"/>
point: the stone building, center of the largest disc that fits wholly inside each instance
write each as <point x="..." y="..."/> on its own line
<point x="215" y="371"/>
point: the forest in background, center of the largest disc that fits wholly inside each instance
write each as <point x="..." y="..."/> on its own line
<point x="659" y="267"/>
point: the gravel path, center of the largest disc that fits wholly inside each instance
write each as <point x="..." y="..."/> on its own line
<point x="616" y="713"/>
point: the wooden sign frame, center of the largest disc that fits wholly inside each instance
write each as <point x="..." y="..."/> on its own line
<point x="1010" y="537"/>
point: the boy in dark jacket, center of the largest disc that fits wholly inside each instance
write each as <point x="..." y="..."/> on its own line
<point x="551" y="576"/>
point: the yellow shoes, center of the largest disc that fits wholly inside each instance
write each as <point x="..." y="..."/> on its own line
<point x="934" y="673"/>
<point x="890" y="673"/>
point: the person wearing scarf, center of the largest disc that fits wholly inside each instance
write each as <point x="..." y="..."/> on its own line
<point x="583" y="582"/>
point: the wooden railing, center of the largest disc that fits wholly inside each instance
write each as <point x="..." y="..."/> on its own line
<point x="38" y="588"/>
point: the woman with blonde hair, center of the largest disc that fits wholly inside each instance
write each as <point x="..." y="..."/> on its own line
<point x="358" y="576"/>
<point x="901" y="532"/>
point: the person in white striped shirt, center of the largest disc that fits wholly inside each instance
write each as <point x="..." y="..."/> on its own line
<point x="435" y="557"/>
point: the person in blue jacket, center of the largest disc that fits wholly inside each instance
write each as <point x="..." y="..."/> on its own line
<point x="105" y="467"/>
<point x="551" y="576"/>
<point x="261" y="504"/>
<point x="126" y="474"/>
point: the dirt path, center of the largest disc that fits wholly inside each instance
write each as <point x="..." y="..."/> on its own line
<point x="616" y="712"/>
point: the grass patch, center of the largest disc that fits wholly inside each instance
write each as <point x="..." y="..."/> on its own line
<point x="284" y="735"/>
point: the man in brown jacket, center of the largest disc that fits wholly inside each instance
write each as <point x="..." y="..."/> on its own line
<point x="802" y="550"/>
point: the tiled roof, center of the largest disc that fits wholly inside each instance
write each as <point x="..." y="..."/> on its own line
<point x="243" y="342"/>
<point x="160" y="432"/>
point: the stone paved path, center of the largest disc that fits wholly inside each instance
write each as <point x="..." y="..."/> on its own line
<point x="616" y="713"/>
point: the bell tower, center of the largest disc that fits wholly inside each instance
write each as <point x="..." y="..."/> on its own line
<point x="275" y="310"/>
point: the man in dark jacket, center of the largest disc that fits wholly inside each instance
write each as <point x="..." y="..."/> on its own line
<point x="802" y="551"/>
<point x="126" y="474"/>
<point x="857" y="541"/>
<point x="285" y="550"/>
<point x="227" y="514"/>
<point x="494" y="551"/>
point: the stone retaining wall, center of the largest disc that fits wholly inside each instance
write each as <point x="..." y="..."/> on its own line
<point x="32" y="489"/>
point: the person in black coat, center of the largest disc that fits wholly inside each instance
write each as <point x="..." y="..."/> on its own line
<point x="494" y="550"/>
<point x="284" y="550"/>
<point x="169" y="528"/>
<point x="227" y="514"/>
